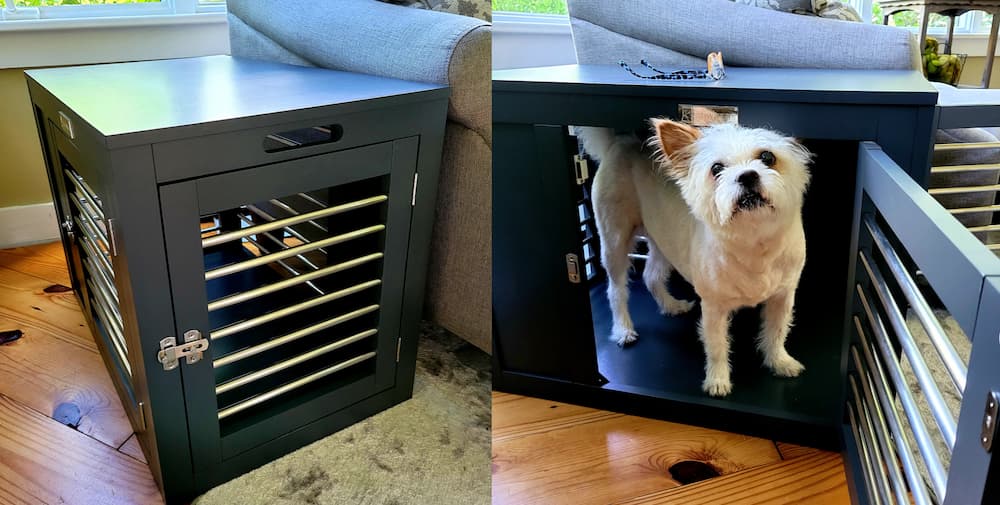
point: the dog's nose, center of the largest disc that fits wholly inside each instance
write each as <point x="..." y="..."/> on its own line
<point x="748" y="179"/>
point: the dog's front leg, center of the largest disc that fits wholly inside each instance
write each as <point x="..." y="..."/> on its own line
<point x="714" y="330"/>
<point x="777" y="320"/>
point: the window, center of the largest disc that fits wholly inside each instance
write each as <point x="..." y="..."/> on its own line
<point x="557" y="7"/>
<point x="970" y="22"/>
<point x="15" y="10"/>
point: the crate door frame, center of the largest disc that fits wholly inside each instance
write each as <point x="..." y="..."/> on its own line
<point x="185" y="202"/>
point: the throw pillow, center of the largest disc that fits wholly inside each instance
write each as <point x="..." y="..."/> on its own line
<point x="841" y="11"/>
<point x="796" y="6"/>
<point x="482" y="9"/>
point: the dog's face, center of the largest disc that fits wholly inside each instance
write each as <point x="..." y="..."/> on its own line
<point x="732" y="176"/>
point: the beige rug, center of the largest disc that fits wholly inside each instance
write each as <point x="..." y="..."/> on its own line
<point x="431" y="450"/>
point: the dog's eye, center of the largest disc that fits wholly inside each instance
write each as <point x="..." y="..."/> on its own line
<point x="717" y="169"/>
<point x="767" y="157"/>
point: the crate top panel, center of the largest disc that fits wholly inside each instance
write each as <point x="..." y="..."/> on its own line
<point x="862" y="87"/>
<point x="214" y="94"/>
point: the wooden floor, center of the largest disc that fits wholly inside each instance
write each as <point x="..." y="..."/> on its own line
<point x="55" y="372"/>
<point x="554" y="453"/>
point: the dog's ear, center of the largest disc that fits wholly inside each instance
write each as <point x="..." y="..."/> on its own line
<point x="673" y="136"/>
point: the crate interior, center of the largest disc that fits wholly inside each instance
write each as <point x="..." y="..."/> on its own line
<point x="667" y="361"/>
<point x="299" y="315"/>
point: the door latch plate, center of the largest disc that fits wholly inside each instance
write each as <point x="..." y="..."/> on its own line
<point x="170" y="352"/>
<point x="990" y="420"/>
<point x="573" y="268"/>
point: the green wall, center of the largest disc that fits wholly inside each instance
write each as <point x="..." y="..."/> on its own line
<point x="22" y="171"/>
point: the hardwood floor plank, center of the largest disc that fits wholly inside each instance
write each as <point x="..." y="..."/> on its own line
<point x="609" y="460"/>
<point x="816" y="479"/>
<point x="131" y="447"/>
<point x="43" y="372"/>
<point x="45" y="261"/>
<point x="525" y="415"/>
<point x="23" y="299"/>
<point x="42" y="460"/>
<point x="792" y="451"/>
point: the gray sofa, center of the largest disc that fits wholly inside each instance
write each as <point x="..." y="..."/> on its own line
<point x="681" y="33"/>
<point x="382" y="39"/>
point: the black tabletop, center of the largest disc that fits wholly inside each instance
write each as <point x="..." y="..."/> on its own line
<point x="124" y="98"/>
<point x="884" y="87"/>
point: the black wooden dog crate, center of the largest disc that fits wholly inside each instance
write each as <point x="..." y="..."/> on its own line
<point x="872" y="234"/>
<point x="248" y="241"/>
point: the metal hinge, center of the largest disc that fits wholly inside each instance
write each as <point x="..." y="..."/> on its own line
<point x="573" y="268"/>
<point x="990" y="420"/>
<point x="413" y="197"/>
<point x="191" y="349"/>
<point x="142" y="417"/>
<point x="67" y="226"/>
<point x="581" y="168"/>
<point x="399" y="343"/>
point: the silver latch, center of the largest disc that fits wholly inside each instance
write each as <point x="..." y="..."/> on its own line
<point x="573" y="268"/>
<point x="191" y="349"/>
<point x="581" y="168"/>
<point x="990" y="420"/>
<point x="67" y="226"/>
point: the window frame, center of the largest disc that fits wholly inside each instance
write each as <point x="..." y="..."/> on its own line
<point x="11" y="13"/>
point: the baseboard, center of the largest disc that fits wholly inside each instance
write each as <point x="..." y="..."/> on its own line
<point x="28" y="225"/>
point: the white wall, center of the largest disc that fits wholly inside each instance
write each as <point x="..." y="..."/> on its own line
<point x="531" y="41"/>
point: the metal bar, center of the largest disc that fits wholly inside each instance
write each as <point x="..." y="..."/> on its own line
<point x="282" y="365"/>
<point x="85" y="188"/>
<point x="106" y="291"/>
<point x="949" y="169"/>
<point x="280" y="243"/>
<point x="291" y="309"/>
<point x="942" y="344"/>
<point x="864" y="453"/>
<point x="964" y="189"/>
<point x="288" y="268"/>
<point x="97" y="271"/>
<point x="966" y="146"/>
<point x="297" y="218"/>
<point x="288" y="253"/>
<point x="115" y="332"/>
<point x="939" y="409"/>
<point x="311" y="199"/>
<point x="235" y="298"/>
<point x="92" y="251"/>
<point x="981" y="229"/>
<point x="290" y="337"/>
<point x="993" y="247"/>
<point x="921" y="436"/>
<point x="98" y="232"/>
<point x="256" y="400"/>
<point x="881" y="430"/>
<point x="975" y="210"/>
<point x="288" y="208"/>
<point x="260" y="212"/>
<point x="883" y="461"/>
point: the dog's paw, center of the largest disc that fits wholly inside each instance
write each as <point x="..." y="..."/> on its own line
<point x="717" y="386"/>
<point x="624" y="337"/>
<point x="785" y="366"/>
<point x="674" y="307"/>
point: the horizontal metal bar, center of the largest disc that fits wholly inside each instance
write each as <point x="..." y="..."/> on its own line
<point x="264" y="215"/>
<point x="109" y="292"/>
<point x="299" y="218"/>
<point x="966" y="146"/>
<point x="116" y="332"/>
<point x="939" y="409"/>
<point x="257" y="400"/>
<point x="98" y="272"/>
<point x="975" y="210"/>
<point x="291" y="309"/>
<point x="291" y="337"/>
<point x="93" y="229"/>
<point x="942" y="344"/>
<point x="950" y="169"/>
<point x="235" y="298"/>
<point x="868" y="427"/>
<point x="288" y="253"/>
<point x="288" y="208"/>
<point x="875" y="493"/>
<point x="288" y="268"/>
<point x="986" y="228"/>
<point x="93" y="251"/>
<point x="81" y="184"/>
<point x="311" y="199"/>
<point x="281" y="243"/>
<point x="212" y="228"/>
<point x="282" y="365"/>
<point x="986" y="188"/>
<point x="925" y="445"/>
<point x="993" y="247"/>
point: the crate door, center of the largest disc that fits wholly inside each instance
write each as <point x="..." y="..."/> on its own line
<point x="293" y="273"/>
<point x="920" y="276"/>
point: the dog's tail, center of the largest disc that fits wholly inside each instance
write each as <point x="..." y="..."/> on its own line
<point x="596" y="141"/>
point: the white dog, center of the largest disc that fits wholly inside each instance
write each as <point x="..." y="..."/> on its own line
<point x="724" y="207"/>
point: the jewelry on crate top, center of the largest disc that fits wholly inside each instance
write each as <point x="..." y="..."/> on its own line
<point x="715" y="70"/>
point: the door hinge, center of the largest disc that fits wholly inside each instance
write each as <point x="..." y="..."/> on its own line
<point x="142" y="417"/>
<point x="399" y="344"/>
<point x="581" y="168"/>
<point x="413" y="196"/>
<point x="191" y="349"/>
<point x="990" y="420"/>
<point x="573" y="268"/>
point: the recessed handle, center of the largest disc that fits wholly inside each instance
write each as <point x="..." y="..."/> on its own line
<point x="302" y="137"/>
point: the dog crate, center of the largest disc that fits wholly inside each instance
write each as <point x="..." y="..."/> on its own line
<point x="871" y="132"/>
<point x="248" y="242"/>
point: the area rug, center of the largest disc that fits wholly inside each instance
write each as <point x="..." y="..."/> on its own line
<point x="433" y="449"/>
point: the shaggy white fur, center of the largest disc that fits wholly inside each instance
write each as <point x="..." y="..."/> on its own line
<point x="721" y="206"/>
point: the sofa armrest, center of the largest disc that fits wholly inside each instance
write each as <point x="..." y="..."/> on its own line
<point x="375" y="38"/>
<point x="753" y="37"/>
